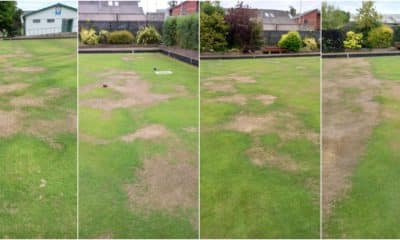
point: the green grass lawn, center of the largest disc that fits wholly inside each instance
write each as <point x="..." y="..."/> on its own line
<point x="260" y="161"/>
<point x="38" y="139"/>
<point x="371" y="208"/>
<point x="132" y="189"/>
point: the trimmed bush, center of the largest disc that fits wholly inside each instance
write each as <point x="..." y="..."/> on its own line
<point x="310" y="43"/>
<point x="353" y="40"/>
<point x="148" y="35"/>
<point x="121" y="37"/>
<point x="291" y="41"/>
<point x="169" y="31"/>
<point x="187" y="31"/>
<point x="213" y="28"/>
<point x="88" y="36"/>
<point x="396" y="36"/>
<point x="103" y="36"/>
<point x="380" y="37"/>
<point x="332" y="40"/>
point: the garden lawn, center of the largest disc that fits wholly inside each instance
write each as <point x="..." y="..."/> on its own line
<point x="260" y="148"/>
<point x="138" y="147"/>
<point x="38" y="139"/>
<point x="371" y="209"/>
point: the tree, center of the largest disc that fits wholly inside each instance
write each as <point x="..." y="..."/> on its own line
<point x="367" y="18"/>
<point x="172" y="4"/>
<point x="333" y="18"/>
<point x="292" y="11"/>
<point x="10" y="23"/>
<point x="245" y="31"/>
<point x="213" y="27"/>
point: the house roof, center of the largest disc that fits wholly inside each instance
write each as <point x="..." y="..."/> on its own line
<point x="272" y="16"/>
<point x="391" y="18"/>
<point x="305" y="13"/>
<point x="46" y="8"/>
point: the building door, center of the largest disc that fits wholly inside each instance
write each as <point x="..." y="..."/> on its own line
<point x="67" y="25"/>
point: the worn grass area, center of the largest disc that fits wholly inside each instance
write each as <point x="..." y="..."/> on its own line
<point x="260" y="148"/>
<point x="371" y="209"/>
<point x="38" y="139"/>
<point x="138" y="147"/>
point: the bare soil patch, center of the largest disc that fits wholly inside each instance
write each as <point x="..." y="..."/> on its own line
<point x="219" y="87"/>
<point x="233" y="77"/>
<point x="236" y="99"/>
<point x="10" y="122"/>
<point x="48" y="129"/>
<point x="28" y="69"/>
<point x="134" y="91"/>
<point x="266" y="99"/>
<point x="249" y="124"/>
<point x="7" y="88"/>
<point x="92" y="139"/>
<point x="154" y="131"/>
<point x="261" y="157"/>
<point x="345" y="131"/>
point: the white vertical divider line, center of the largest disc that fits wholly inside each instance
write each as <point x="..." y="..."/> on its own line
<point x="199" y="118"/>
<point x="77" y="123"/>
<point x="320" y="129"/>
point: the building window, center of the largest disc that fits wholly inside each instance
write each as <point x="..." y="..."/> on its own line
<point x="36" y="21"/>
<point x="113" y="3"/>
<point x="50" y="20"/>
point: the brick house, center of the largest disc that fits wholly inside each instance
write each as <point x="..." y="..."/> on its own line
<point x="311" y="19"/>
<point x="185" y="8"/>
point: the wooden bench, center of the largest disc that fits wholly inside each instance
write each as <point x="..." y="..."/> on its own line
<point x="273" y="49"/>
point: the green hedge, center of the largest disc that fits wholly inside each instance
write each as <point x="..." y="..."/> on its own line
<point x="182" y="31"/>
<point x="169" y="31"/>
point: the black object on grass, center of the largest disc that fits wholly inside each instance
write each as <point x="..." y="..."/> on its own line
<point x="105" y="85"/>
<point x="154" y="69"/>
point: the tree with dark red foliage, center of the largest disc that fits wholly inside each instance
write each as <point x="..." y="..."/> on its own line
<point x="245" y="31"/>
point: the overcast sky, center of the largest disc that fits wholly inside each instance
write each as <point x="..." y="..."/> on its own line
<point x="382" y="6"/>
<point x="38" y="4"/>
<point x="300" y="5"/>
<point x="147" y="5"/>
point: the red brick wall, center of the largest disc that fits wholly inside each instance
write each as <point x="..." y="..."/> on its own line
<point x="185" y="8"/>
<point x="312" y="19"/>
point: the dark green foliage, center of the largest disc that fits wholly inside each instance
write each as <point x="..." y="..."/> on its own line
<point x="396" y="35"/>
<point x="187" y="31"/>
<point x="244" y="32"/>
<point x="121" y="37"/>
<point x="332" y="40"/>
<point x="333" y="18"/>
<point x="10" y="23"/>
<point x="213" y="27"/>
<point x="169" y="31"/>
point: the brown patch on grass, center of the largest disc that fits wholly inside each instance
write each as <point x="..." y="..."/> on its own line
<point x="134" y="91"/>
<point x="190" y="129"/>
<point x="27" y="101"/>
<point x="48" y="129"/>
<point x="92" y="139"/>
<point x="233" y="77"/>
<point x="260" y="157"/>
<point x="154" y="131"/>
<point x="28" y="69"/>
<point x="345" y="131"/>
<point x="219" y="87"/>
<point x="7" y="88"/>
<point x="266" y="99"/>
<point x="10" y="123"/>
<point x="236" y="99"/>
<point x="163" y="185"/>
<point x="249" y="124"/>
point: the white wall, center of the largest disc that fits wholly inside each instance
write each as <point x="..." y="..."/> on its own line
<point x="45" y="28"/>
